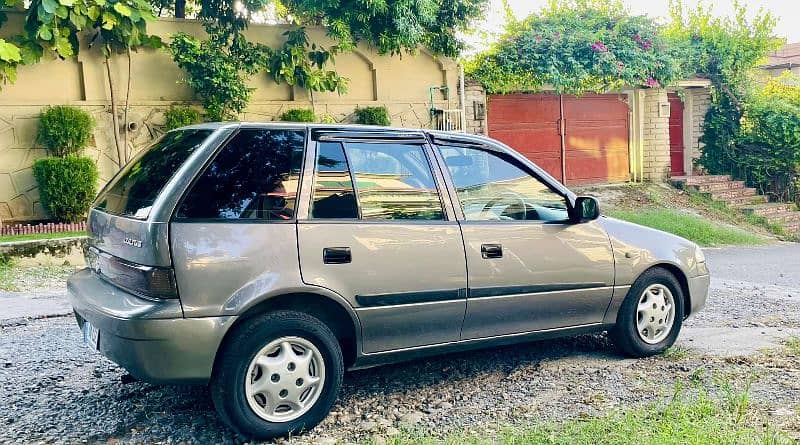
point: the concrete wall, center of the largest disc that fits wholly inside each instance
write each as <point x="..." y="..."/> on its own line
<point x="400" y="84"/>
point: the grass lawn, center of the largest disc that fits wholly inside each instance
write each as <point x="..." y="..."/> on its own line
<point x="40" y="236"/>
<point x="692" y="227"/>
<point x="683" y="421"/>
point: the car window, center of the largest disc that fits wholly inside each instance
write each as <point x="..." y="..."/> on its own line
<point x="394" y="181"/>
<point x="334" y="196"/>
<point x="134" y="189"/>
<point x="255" y="177"/>
<point x="493" y="186"/>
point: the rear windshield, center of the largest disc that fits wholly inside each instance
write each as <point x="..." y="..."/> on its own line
<point x="134" y="189"/>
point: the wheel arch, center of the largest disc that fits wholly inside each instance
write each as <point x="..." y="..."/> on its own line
<point x="673" y="269"/>
<point x="335" y="313"/>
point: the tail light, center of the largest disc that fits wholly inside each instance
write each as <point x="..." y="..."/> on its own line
<point x="145" y="281"/>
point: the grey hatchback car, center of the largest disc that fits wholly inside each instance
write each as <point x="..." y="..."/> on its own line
<point x="265" y="259"/>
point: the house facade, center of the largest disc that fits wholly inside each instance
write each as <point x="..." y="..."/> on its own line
<point x="638" y="134"/>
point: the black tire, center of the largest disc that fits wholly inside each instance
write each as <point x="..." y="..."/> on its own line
<point x="625" y="335"/>
<point x="231" y="367"/>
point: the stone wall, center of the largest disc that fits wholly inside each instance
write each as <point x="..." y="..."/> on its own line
<point x="476" y="108"/>
<point x="400" y="84"/>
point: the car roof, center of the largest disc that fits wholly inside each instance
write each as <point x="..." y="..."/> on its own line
<point x="356" y="128"/>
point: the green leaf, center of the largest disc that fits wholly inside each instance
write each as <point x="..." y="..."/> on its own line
<point x="109" y="20"/>
<point x="123" y="9"/>
<point x="67" y="2"/>
<point x="45" y="33"/>
<point x="62" y="12"/>
<point x="64" y="48"/>
<point x="9" y="52"/>
<point x="79" y="21"/>
<point x="93" y="12"/>
<point x="50" y="6"/>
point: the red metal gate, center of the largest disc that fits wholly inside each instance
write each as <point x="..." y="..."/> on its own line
<point x="676" y="147"/>
<point x="595" y="126"/>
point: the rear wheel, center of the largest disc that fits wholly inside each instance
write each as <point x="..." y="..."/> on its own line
<point x="277" y="374"/>
<point x="651" y="316"/>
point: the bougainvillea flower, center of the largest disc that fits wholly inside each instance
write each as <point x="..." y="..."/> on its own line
<point x="652" y="83"/>
<point x="599" y="47"/>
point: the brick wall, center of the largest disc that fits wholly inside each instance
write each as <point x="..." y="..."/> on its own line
<point x="655" y="136"/>
<point x="475" y="97"/>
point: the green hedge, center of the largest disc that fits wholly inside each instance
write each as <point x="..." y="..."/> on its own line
<point x="178" y="116"/>
<point x="373" y="116"/>
<point x="67" y="186"/>
<point x="65" y="130"/>
<point x="298" y="115"/>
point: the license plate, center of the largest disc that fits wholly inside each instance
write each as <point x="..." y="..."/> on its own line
<point x="91" y="336"/>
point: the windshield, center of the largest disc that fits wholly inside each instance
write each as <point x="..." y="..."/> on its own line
<point x="134" y="189"/>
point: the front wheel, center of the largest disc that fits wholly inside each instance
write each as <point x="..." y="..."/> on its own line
<point x="277" y="374"/>
<point x="651" y="316"/>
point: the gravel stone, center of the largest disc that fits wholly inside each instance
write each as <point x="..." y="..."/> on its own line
<point x="53" y="389"/>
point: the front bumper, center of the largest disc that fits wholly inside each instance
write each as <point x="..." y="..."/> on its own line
<point x="698" y="292"/>
<point x="150" y="339"/>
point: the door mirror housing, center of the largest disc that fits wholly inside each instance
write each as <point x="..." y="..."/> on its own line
<point x="585" y="209"/>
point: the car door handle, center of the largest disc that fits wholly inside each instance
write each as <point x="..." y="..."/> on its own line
<point x="489" y="251"/>
<point x="336" y="255"/>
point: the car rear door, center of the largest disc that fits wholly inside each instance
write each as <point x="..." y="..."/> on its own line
<point x="530" y="269"/>
<point x="377" y="231"/>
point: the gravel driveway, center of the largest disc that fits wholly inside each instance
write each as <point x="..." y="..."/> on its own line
<point x="53" y="389"/>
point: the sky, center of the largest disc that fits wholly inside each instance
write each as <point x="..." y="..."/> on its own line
<point x="786" y="11"/>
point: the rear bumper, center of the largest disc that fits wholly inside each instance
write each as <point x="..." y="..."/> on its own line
<point x="150" y="339"/>
<point x="698" y="292"/>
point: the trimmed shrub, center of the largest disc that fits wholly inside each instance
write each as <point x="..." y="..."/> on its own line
<point x="373" y="116"/>
<point x="67" y="186"/>
<point x="178" y="116"/>
<point x="65" y="130"/>
<point x="298" y="115"/>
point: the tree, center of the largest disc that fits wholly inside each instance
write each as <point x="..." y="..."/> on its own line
<point x="54" y="27"/>
<point x="578" y="46"/>
<point x="393" y="27"/>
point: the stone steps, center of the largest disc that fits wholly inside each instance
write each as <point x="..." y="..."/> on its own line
<point x="735" y="194"/>
<point x="768" y="209"/>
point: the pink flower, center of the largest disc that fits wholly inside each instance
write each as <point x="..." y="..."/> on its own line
<point x="647" y="45"/>
<point x="652" y="83"/>
<point x="637" y="38"/>
<point x="557" y="35"/>
<point x="620" y="66"/>
<point x="538" y="38"/>
<point x="599" y="47"/>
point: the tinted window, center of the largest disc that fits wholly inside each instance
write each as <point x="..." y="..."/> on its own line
<point x="134" y="189"/>
<point x="333" y="188"/>
<point x="255" y="176"/>
<point x="394" y="181"/>
<point x="493" y="186"/>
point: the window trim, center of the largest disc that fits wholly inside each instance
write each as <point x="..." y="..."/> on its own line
<point x="174" y="218"/>
<point x="422" y="145"/>
<point x="315" y="176"/>
<point x="453" y="190"/>
<point x="427" y="152"/>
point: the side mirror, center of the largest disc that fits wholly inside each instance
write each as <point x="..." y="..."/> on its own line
<point x="586" y="209"/>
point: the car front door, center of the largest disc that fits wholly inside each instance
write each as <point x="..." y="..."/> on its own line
<point x="378" y="233"/>
<point x="530" y="269"/>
